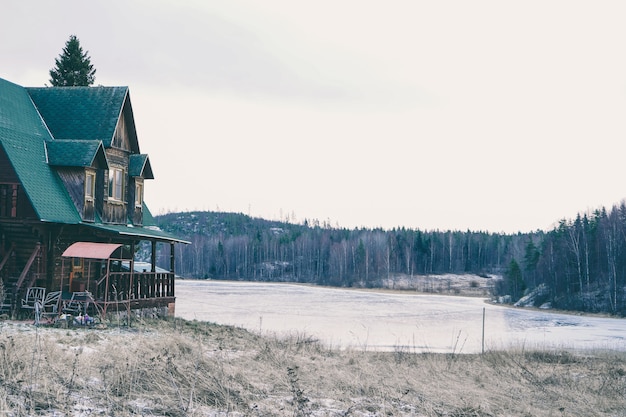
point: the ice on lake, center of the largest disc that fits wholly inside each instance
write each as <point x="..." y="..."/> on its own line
<point x="362" y="319"/>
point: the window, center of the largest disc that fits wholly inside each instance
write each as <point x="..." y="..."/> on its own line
<point x="8" y="200"/>
<point x="138" y="194"/>
<point x="90" y="185"/>
<point x="116" y="184"/>
<point x="77" y="264"/>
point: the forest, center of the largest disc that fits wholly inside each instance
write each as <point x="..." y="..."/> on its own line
<point x="580" y="264"/>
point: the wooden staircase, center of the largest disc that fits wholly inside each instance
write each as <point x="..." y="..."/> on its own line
<point x="22" y="263"/>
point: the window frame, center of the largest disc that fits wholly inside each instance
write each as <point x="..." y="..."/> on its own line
<point x="117" y="184"/>
<point x="138" y="194"/>
<point x="90" y="185"/>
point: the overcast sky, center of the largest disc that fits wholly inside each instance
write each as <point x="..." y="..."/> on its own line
<point x="483" y="115"/>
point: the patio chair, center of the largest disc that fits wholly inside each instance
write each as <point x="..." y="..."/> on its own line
<point x="78" y="304"/>
<point x="34" y="301"/>
<point x="33" y="295"/>
<point x="50" y="306"/>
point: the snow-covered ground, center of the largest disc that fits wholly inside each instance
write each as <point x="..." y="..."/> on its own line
<point x="365" y="319"/>
<point x="450" y="284"/>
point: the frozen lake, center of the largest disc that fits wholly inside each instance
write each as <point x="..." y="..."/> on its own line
<point x="360" y="319"/>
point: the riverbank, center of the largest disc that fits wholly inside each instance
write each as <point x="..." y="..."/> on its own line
<point x="468" y="285"/>
<point x="188" y="368"/>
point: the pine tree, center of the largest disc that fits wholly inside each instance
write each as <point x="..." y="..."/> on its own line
<point x="514" y="280"/>
<point x="73" y="66"/>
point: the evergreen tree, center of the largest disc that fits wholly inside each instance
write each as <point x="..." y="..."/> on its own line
<point x="531" y="259"/>
<point x="514" y="281"/>
<point x="73" y="67"/>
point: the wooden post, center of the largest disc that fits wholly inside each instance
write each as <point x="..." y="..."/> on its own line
<point x="106" y="289"/>
<point x="171" y="292"/>
<point x="483" y="348"/>
<point x="172" y="258"/>
<point x="153" y="256"/>
<point x="131" y="290"/>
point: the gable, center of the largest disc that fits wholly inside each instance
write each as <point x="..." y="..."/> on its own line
<point x="139" y="166"/>
<point x="125" y="136"/>
<point x="86" y="113"/>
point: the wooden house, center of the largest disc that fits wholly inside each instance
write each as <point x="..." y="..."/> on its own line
<point x="72" y="182"/>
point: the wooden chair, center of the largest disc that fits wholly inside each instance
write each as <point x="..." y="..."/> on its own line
<point x="50" y="306"/>
<point x="33" y="295"/>
<point x="78" y="304"/>
<point x="34" y="301"/>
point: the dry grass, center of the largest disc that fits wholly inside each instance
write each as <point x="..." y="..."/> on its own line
<point x="185" y="368"/>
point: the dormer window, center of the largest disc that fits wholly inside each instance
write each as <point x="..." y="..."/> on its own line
<point x="116" y="184"/>
<point x="138" y="193"/>
<point x="90" y="195"/>
<point x="90" y="185"/>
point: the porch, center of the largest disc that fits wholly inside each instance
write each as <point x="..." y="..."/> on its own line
<point x="111" y="277"/>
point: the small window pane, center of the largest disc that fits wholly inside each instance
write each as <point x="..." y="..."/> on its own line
<point x="111" y="183"/>
<point x="138" y="194"/>
<point x="116" y="184"/>
<point x="90" y="185"/>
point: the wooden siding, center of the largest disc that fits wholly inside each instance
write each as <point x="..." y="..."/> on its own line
<point x="101" y="190"/>
<point x="134" y="212"/>
<point x="89" y="211"/>
<point x="7" y="173"/>
<point x="9" y="194"/>
<point x="114" y="211"/>
<point x="13" y="201"/>
<point x="121" y="137"/>
<point x="117" y="158"/>
<point x="138" y="216"/>
<point x="58" y="269"/>
<point x="21" y="241"/>
<point x="74" y="181"/>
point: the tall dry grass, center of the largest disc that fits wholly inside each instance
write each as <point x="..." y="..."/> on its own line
<point x="187" y="368"/>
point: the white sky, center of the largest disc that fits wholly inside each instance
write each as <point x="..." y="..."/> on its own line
<point x="481" y="115"/>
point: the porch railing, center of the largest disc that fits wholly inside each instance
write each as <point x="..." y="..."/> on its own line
<point x="145" y="285"/>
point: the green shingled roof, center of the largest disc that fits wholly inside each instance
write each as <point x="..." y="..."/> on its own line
<point x="76" y="153"/>
<point x="80" y="112"/>
<point x="23" y="136"/>
<point x="139" y="166"/>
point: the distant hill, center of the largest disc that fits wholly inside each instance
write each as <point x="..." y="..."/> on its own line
<point x="237" y="246"/>
<point x="189" y="224"/>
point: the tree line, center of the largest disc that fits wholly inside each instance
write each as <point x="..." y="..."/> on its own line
<point x="580" y="264"/>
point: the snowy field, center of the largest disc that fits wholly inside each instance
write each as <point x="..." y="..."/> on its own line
<point x="360" y="319"/>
